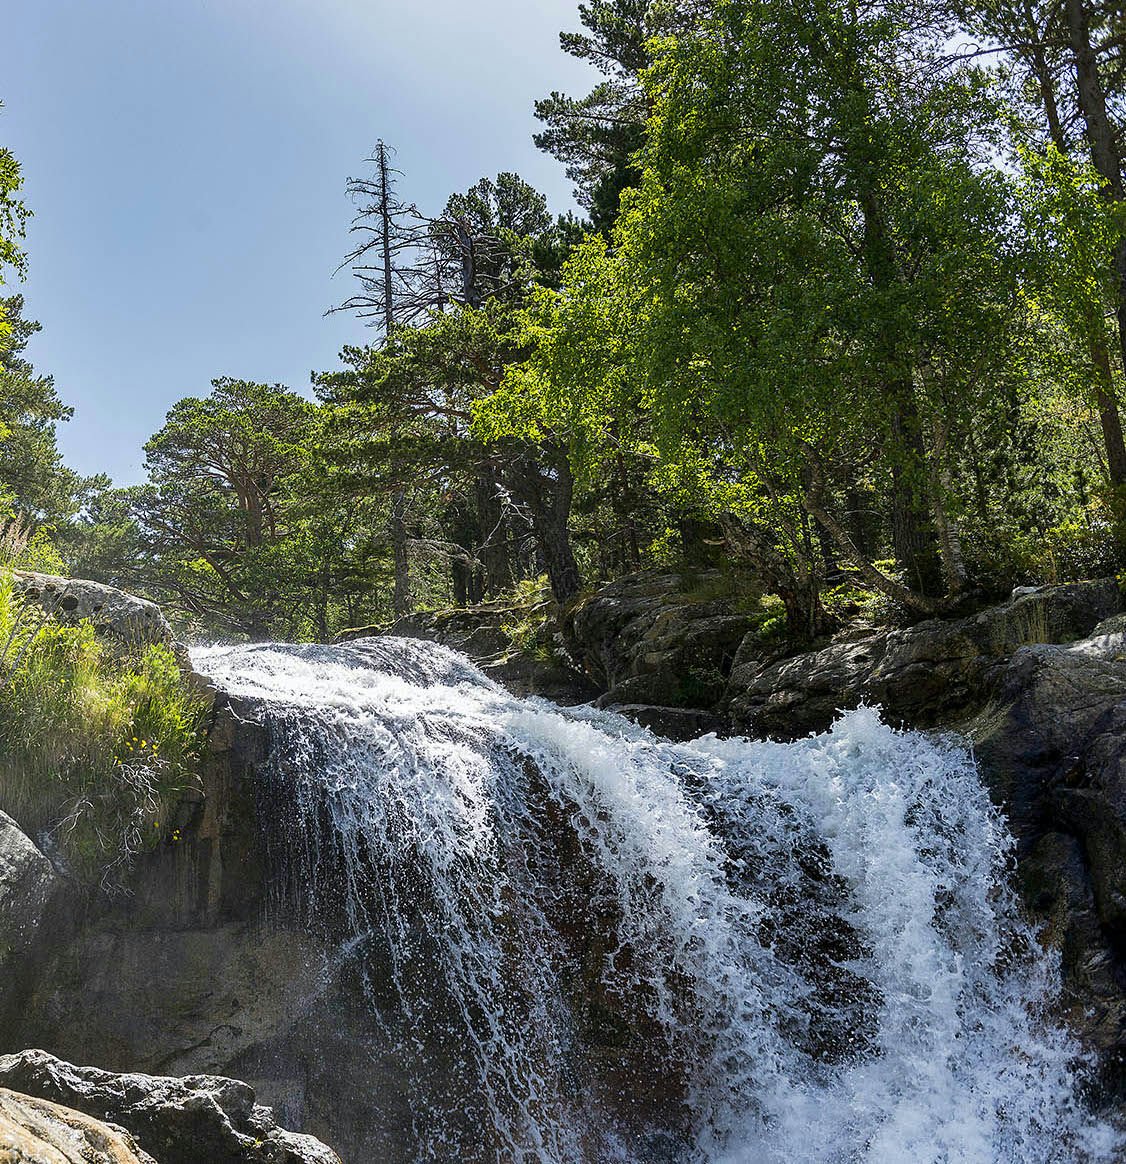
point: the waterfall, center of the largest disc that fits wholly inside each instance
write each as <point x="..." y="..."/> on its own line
<point x="586" y="943"/>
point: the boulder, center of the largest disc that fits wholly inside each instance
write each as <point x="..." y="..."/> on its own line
<point x="659" y="639"/>
<point x="924" y="675"/>
<point x="113" y="612"/>
<point x="33" y="1131"/>
<point x="1052" y="750"/>
<point x="177" y="1121"/>
<point x="27" y="884"/>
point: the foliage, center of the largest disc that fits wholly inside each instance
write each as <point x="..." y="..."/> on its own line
<point x="13" y="217"/>
<point x="847" y="320"/>
<point x="96" y="741"/>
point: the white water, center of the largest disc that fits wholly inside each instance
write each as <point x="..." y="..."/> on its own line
<point x="589" y="944"/>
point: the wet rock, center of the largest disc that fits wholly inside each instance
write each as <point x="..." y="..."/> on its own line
<point x="675" y="723"/>
<point x="113" y="612"/>
<point x="178" y="1121"/>
<point x="1052" y="750"/>
<point x="924" y="675"/>
<point x="33" y="1131"/>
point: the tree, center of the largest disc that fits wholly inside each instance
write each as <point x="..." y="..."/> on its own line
<point x="13" y="216"/>
<point x="1064" y="70"/>
<point x="217" y="511"/>
<point x="33" y="479"/>
<point x="389" y="257"/>
<point x="811" y="292"/>
<point x="597" y="136"/>
<point x="403" y="407"/>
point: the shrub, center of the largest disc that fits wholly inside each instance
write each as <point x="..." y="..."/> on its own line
<point x="96" y="739"/>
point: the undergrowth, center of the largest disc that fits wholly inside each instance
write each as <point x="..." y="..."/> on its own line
<point x="96" y="738"/>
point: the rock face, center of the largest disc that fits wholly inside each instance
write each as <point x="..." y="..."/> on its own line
<point x="33" y="1131"/>
<point x="27" y="885"/>
<point x="178" y="1121"/>
<point x="196" y="973"/>
<point x="658" y="640"/>
<point x="924" y="675"/>
<point x="113" y="612"/>
<point x="1053" y="752"/>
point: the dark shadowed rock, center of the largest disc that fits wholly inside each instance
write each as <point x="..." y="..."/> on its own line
<point x="657" y="640"/>
<point x="33" y="1131"/>
<point x="1052" y="750"/>
<point x="112" y="612"/>
<point x="177" y="1121"/>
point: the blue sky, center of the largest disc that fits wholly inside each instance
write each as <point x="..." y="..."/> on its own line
<point x="186" y="160"/>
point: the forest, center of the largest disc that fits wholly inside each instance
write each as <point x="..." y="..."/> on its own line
<point x="844" y="316"/>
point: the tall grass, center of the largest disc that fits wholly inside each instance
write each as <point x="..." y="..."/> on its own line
<point x="97" y="739"/>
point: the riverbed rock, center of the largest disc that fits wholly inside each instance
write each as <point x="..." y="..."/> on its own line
<point x="33" y="1131"/>
<point x="113" y="612"/>
<point x="178" y="1121"/>
<point x="921" y="676"/>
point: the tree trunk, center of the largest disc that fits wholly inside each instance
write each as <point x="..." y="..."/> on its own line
<point x="912" y="528"/>
<point x="459" y="582"/>
<point x="1105" y="155"/>
<point x="814" y="502"/>
<point x="1109" y="417"/>
<point x="401" y="599"/>
<point x="799" y="590"/>
<point x="548" y="502"/>
<point x="949" y="538"/>
<point x="385" y="238"/>
<point x="493" y="532"/>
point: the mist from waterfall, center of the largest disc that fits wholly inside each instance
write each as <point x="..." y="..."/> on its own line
<point x="587" y="944"/>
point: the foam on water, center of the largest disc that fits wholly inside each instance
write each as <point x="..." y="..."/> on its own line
<point x="598" y="945"/>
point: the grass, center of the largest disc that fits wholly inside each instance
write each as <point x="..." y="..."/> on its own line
<point x="96" y="739"/>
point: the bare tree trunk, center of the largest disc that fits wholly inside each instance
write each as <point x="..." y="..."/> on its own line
<point x="385" y="219"/>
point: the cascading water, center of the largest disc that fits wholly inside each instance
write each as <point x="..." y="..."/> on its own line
<point x="589" y="944"/>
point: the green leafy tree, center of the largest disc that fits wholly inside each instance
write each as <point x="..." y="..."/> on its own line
<point x="13" y="217"/>
<point x="216" y="513"/>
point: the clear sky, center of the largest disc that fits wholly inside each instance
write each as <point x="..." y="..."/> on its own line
<point x="185" y="161"/>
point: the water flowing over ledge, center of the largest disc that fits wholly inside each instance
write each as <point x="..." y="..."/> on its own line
<point x="587" y="944"/>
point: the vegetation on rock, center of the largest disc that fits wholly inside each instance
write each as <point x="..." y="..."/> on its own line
<point x="97" y="738"/>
